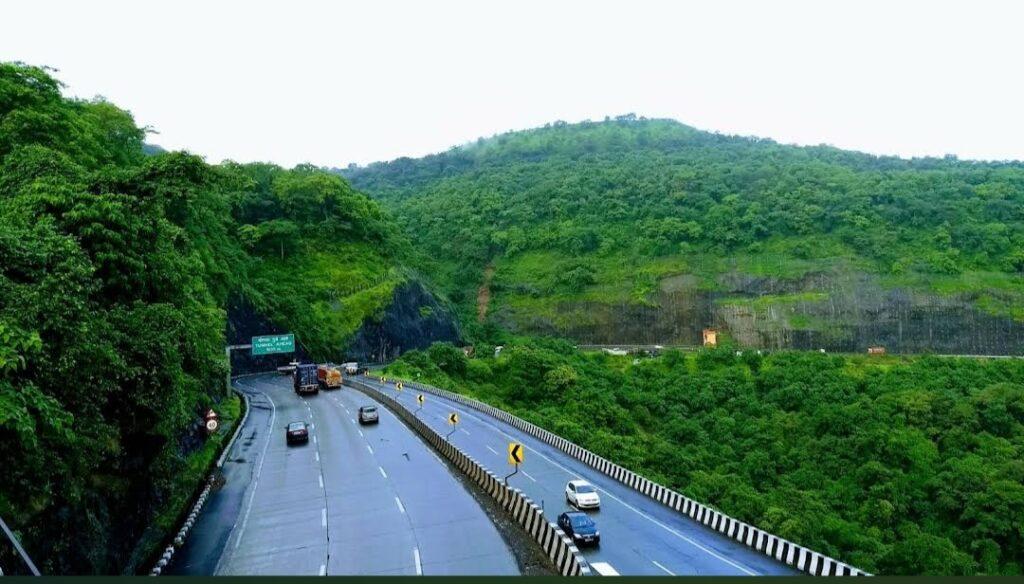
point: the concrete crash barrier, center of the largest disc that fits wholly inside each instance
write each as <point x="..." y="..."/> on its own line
<point x="197" y="507"/>
<point x="560" y="550"/>
<point x="785" y="551"/>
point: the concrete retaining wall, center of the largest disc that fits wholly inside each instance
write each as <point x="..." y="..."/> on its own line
<point x="559" y="548"/>
<point x="782" y="550"/>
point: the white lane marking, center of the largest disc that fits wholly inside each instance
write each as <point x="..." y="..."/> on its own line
<point x="361" y="433"/>
<point x="685" y="538"/>
<point x="321" y="480"/>
<point x="323" y="570"/>
<point x="527" y="475"/>
<point x="314" y="439"/>
<point x="466" y="431"/>
<point x="323" y="517"/>
<point x="416" y="558"/>
<point x="317" y="456"/>
<point x="370" y="449"/>
<point x="256" y="481"/>
<point x="382" y="473"/>
<point x="313" y="426"/>
<point x="666" y="570"/>
<point x="400" y="506"/>
<point x="492" y="450"/>
<point x="434" y="454"/>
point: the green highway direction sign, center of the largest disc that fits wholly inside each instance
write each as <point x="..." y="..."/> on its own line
<point x="268" y="344"/>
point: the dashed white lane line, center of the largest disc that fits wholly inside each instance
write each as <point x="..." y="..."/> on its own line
<point x="370" y="449"/>
<point x="321" y="481"/>
<point x="492" y="450"/>
<point x="663" y="568"/>
<point x="259" y="469"/>
<point x="313" y="426"/>
<point x="416" y="558"/>
<point x="361" y="434"/>
<point x="466" y="431"/>
<point x="323" y="570"/>
<point x="527" y="475"/>
<point x="400" y="506"/>
<point x="317" y="454"/>
<point x="674" y="532"/>
<point x="382" y="473"/>
<point x="323" y="517"/>
<point x="314" y="439"/>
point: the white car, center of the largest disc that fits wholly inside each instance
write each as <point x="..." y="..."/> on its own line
<point x="582" y="495"/>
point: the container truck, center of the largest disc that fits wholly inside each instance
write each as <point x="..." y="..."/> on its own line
<point x="305" y="379"/>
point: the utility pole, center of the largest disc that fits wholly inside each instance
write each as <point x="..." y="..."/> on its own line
<point x="227" y="354"/>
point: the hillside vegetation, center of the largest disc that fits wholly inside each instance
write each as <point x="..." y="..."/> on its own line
<point x="894" y="465"/>
<point x="115" y="268"/>
<point x="590" y="225"/>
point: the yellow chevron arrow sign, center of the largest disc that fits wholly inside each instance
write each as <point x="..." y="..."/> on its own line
<point x="516" y="453"/>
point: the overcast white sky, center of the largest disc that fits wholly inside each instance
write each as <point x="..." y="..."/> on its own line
<point x="339" y="82"/>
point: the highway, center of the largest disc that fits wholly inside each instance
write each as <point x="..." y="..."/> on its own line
<point x="639" y="536"/>
<point x="355" y="500"/>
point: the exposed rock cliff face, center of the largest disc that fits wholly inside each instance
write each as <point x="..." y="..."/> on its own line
<point x="837" y="311"/>
<point x="414" y="320"/>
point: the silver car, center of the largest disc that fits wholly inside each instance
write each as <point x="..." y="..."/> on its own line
<point x="368" y="415"/>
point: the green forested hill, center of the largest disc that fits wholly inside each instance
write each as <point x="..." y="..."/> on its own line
<point x="589" y="225"/>
<point x="115" y="270"/>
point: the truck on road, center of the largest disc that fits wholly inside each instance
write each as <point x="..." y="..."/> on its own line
<point x="351" y="368"/>
<point x="328" y="376"/>
<point x="305" y="380"/>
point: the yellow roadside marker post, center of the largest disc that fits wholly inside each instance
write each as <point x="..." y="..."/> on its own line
<point x="453" y="420"/>
<point x="516" y="456"/>
<point x="419" y="399"/>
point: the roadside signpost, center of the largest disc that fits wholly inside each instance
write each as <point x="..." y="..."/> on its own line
<point x="399" y="386"/>
<point x="268" y="344"/>
<point x="419" y="399"/>
<point x="453" y="421"/>
<point x="212" y="421"/>
<point x="516" y="456"/>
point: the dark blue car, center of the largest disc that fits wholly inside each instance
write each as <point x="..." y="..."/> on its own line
<point x="580" y="527"/>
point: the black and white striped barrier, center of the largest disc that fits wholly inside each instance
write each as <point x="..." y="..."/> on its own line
<point x="564" y="555"/>
<point x="785" y="551"/>
<point x="193" y="516"/>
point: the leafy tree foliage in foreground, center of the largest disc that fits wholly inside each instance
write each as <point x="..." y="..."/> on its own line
<point x="897" y="466"/>
<point x="115" y="268"/>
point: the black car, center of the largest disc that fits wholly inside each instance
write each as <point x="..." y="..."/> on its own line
<point x="580" y="527"/>
<point x="296" y="432"/>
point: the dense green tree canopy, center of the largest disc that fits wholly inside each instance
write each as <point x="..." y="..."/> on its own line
<point x="659" y="196"/>
<point x="115" y="270"/>
<point x="897" y="466"/>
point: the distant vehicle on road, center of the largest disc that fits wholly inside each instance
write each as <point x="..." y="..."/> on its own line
<point x="304" y="379"/>
<point x="328" y="377"/>
<point x="368" y="415"/>
<point x="296" y="432"/>
<point x="580" y="527"/>
<point x="350" y="368"/>
<point x="582" y="495"/>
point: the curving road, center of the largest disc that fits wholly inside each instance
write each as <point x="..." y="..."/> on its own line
<point x="639" y="536"/>
<point x="355" y="500"/>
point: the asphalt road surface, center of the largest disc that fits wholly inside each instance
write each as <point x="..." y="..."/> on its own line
<point x="355" y="500"/>
<point x="639" y="536"/>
